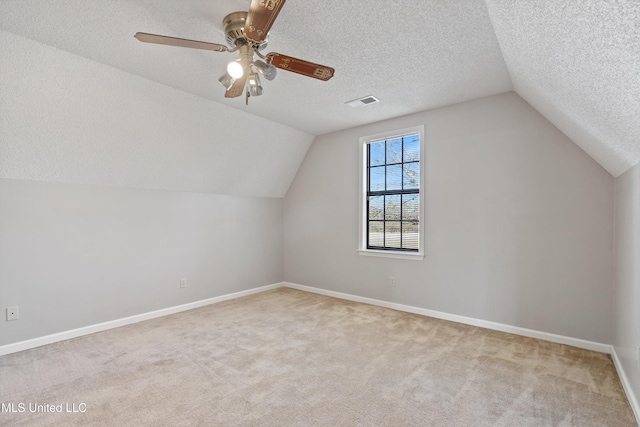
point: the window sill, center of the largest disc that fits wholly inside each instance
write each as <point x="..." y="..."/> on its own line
<point x="415" y="256"/>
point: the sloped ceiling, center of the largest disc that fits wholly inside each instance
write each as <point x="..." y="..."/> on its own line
<point x="575" y="61"/>
<point x="67" y="119"/>
<point x="578" y="63"/>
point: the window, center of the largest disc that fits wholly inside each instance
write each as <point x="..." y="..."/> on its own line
<point x="391" y="206"/>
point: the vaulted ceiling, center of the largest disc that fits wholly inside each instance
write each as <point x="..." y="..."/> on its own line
<point x="577" y="62"/>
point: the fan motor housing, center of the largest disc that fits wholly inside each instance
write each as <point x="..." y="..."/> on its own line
<point x="234" y="30"/>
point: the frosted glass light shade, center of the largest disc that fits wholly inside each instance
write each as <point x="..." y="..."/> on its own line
<point x="235" y="69"/>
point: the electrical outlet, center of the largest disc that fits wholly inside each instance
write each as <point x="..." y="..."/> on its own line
<point x="392" y="282"/>
<point x="638" y="356"/>
<point x="183" y="282"/>
<point x="12" y="313"/>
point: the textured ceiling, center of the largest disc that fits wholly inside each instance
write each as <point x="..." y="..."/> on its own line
<point x="578" y="63"/>
<point x="575" y="61"/>
<point x="411" y="54"/>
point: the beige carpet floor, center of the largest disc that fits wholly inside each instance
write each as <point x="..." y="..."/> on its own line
<point x="292" y="358"/>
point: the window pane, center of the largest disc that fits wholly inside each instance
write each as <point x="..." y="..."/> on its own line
<point x="394" y="150"/>
<point x="376" y="153"/>
<point x="392" y="217"/>
<point x="392" y="207"/>
<point x="410" y="207"/>
<point x="376" y="178"/>
<point x="410" y="235"/>
<point x="376" y="233"/>
<point x="376" y="207"/>
<point x="392" y="234"/>
<point x="411" y="148"/>
<point x="411" y="176"/>
<point x="394" y="177"/>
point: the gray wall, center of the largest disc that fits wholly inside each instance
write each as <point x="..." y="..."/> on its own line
<point x="92" y="248"/>
<point x="627" y="290"/>
<point x="519" y="222"/>
<point x="76" y="255"/>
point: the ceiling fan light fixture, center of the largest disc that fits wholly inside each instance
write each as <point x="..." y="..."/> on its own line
<point x="267" y="70"/>
<point x="235" y="69"/>
<point x="247" y="34"/>
<point x="255" y="88"/>
<point x="226" y="80"/>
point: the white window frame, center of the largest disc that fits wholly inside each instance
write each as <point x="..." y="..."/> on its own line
<point x="362" y="211"/>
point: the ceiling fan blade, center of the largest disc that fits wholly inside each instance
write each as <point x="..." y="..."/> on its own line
<point x="262" y="14"/>
<point x="237" y="88"/>
<point x="300" y="66"/>
<point x="174" y="41"/>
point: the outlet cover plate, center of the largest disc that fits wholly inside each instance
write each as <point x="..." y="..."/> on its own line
<point x="12" y="313"/>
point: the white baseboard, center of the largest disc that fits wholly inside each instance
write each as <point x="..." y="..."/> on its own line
<point x="86" y="330"/>
<point x="626" y="384"/>
<point x="560" y="339"/>
<point x="61" y="336"/>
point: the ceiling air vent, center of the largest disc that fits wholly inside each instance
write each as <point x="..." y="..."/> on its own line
<point x="367" y="100"/>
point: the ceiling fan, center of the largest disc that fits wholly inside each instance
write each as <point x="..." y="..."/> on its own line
<point x="247" y="32"/>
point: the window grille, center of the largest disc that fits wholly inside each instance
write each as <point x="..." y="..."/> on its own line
<point x="393" y="194"/>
